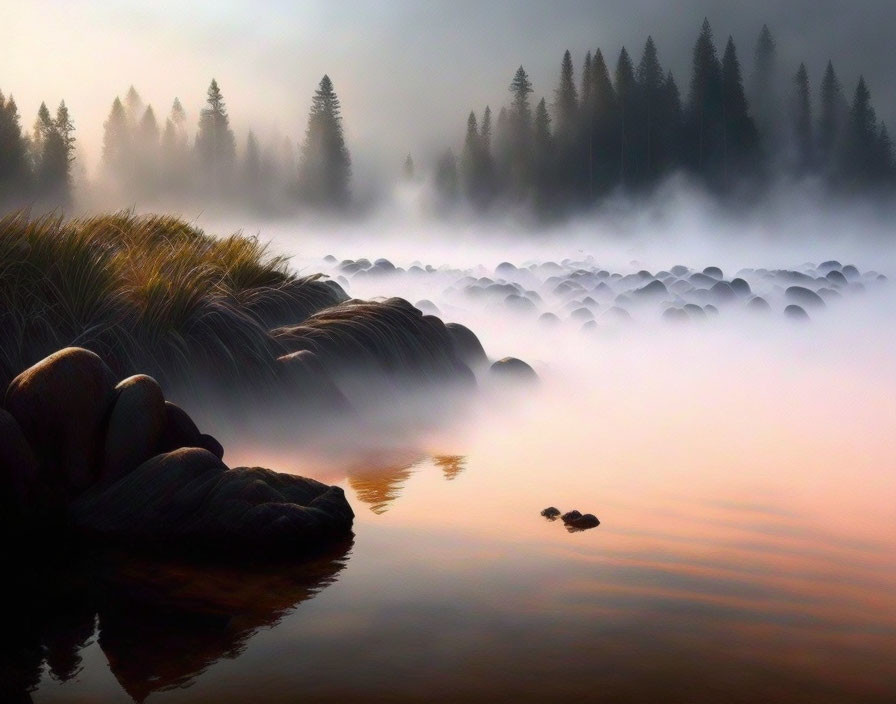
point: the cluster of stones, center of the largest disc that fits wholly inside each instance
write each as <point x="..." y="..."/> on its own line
<point x="573" y="520"/>
<point x="585" y="294"/>
<point x="114" y="461"/>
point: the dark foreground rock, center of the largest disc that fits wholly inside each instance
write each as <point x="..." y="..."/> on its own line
<point x="85" y="460"/>
<point x="189" y="497"/>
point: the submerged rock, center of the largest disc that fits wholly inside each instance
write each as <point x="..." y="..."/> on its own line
<point x="550" y="513"/>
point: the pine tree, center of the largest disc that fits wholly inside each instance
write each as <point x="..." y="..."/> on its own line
<point x="215" y="143"/>
<point x="861" y="156"/>
<point x="56" y="143"/>
<point x="886" y="170"/>
<point x="801" y="116"/>
<point x="626" y="101"/>
<point x="543" y="159"/>
<point x="116" y="144"/>
<point x="520" y="133"/>
<point x="471" y="160"/>
<point x="446" y="179"/>
<point x="566" y="102"/>
<point x="15" y="176"/>
<point x="650" y="99"/>
<point x="832" y="120"/>
<point x="134" y="107"/>
<point x="739" y="136"/>
<point x="252" y="165"/>
<point x="672" y="125"/>
<point x="603" y="157"/>
<point x="765" y="90"/>
<point x="175" y="152"/>
<point x="704" y="112"/>
<point x="325" y="165"/>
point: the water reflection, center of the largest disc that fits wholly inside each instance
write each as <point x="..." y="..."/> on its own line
<point x="160" y="624"/>
<point x="451" y="465"/>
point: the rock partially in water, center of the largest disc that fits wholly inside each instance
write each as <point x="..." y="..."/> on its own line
<point x="189" y="500"/>
<point x="62" y="404"/>
<point x="551" y="513"/>
<point x="579" y="521"/>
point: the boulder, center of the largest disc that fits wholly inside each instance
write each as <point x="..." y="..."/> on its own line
<point x="653" y="289"/>
<point x="467" y="346"/>
<point x="513" y="369"/>
<point x="850" y="272"/>
<point x="551" y="513"/>
<point x="578" y="521"/>
<point x="180" y="430"/>
<point x="722" y="292"/>
<point x="740" y="287"/>
<point x="794" y="312"/>
<point x="714" y="272"/>
<point x="675" y="315"/>
<point x="303" y="378"/>
<point x="835" y="277"/>
<point x="62" y="404"/>
<point x="804" y="297"/>
<point x="757" y="304"/>
<point x="189" y="500"/>
<point x="135" y="426"/>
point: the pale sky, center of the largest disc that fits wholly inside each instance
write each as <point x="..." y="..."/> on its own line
<point x="407" y="72"/>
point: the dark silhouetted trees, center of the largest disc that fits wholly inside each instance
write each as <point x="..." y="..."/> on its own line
<point x="801" y="116"/>
<point x="325" y="166"/>
<point x="15" y="170"/>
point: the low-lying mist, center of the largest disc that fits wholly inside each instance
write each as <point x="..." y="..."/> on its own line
<point x="633" y="380"/>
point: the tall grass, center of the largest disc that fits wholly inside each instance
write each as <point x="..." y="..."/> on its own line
<point x="148" y="293"/>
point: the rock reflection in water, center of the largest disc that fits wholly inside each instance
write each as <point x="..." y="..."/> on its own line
<point x="159" y="623"/>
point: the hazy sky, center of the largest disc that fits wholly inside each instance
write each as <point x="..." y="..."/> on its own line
<point x="407" y="71"/>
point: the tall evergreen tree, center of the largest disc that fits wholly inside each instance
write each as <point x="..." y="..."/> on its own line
<point x="740" y="139"/>
<point x="520" y="134"/>
<point x="832" y="120"/>
<point x="650" y="99"/>
<point x="116" y="143"/>
<point x="325" y="165"/>
<point x="56" y="142"/>
<point x="765" y="91"/>
<point x="627" y="106"/>
<point x="672" y="125"/>
<point x="175" y="151"/>
<point x="215" y="143"/>
<point x="543" y="162"/>
<point x="566" y="102"/>
<point x="446" y="180"/>
<point x="801" y="120"/>
<point x="704" y="111"/>
<point x="886" y="168"/>
<point x="861" y="156"/>
<point x="603" y="157"/>
<point x="15" y="176"/>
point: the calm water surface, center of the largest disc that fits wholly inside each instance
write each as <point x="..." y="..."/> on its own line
<point x="746" y="487"/>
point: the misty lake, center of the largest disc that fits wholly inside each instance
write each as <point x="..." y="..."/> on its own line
<point x="743" y="474"/>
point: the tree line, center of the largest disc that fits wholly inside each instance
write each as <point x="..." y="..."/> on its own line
<point x="628" y="130"/>
<point x="144" y="160"/>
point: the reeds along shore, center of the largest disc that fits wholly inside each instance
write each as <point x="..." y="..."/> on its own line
<point x="155" y="295"/>
<point x="147" y="293"/>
